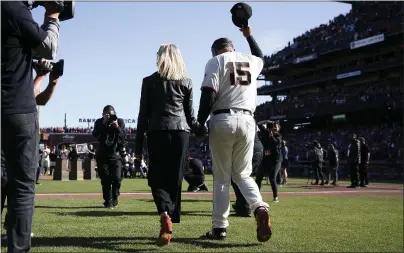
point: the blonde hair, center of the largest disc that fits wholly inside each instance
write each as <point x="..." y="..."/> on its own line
<point x="170" y="63"/>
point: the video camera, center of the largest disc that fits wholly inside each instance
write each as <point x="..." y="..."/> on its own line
<point x="66" y="8"/>
<point x="270" y="125"/>
<point x="57" y="67"/>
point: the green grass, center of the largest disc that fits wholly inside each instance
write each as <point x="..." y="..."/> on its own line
<point x="140" y="185"/>
<point x="301" y="224"/>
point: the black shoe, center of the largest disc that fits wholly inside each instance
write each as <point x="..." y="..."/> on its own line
<point x="204" y="187"/>
<point x="216" y="234"/>
<point x="108" y="205"/>
<point x="114" y="202"/>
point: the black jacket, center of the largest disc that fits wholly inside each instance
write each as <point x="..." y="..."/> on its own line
<point x="332" y="156"/>
<point x="258" y="148"/>
<point x="354" y="149"/>
<point x="317" y="155"/>
<point x="111" y="140"/>
<point x="272" y="146"/>
<point x="164" y="105"/>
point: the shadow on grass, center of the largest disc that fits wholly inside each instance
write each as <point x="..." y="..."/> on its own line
<point x="112" y="243"/>
<point x="198" y="199"/>
<point x="113" y="213"/>
<point x="100" y="243"/>
<point x="69" y="207"/>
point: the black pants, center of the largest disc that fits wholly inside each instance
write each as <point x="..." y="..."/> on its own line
<point x="194" y="180"/>
<point x="333" y="173"/>
<point x="354" y="173"/>
<point x="241" y="202"/>
<point x="168" y="153"/>
<point x="38" y="174"/>
<point x="272" y="168"/>
<point x="110" y="173"/>
<point x="20" y="143"/>
<point x="363" y="174"/>
<point x="318" y="170"/>
<point x="3" y="185"/>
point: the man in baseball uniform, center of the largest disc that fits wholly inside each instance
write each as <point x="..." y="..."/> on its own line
<point x="229" y="93"/>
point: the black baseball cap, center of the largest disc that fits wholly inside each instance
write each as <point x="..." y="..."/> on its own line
<point x="241" y="13"/>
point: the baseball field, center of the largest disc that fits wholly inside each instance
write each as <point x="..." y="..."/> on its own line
<point x="69" y="217"/>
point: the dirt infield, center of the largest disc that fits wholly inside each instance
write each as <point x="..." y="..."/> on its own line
<point x="381" y="190"/>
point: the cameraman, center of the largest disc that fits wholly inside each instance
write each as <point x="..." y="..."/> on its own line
<point x="110" y="133"/>
<point x="317" y="160"/>
<point x="42" y="69"/>
<point x="21" y="39"/>
<point x="271" y="141"/>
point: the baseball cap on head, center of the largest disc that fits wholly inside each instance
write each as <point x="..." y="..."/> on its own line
<point x="241" y="13"/>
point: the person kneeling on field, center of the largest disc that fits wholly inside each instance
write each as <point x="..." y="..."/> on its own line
<point x="195" y="176"/>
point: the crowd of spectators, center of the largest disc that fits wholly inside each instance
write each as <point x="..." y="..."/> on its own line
<point x="366" y="19"/>
<point x="388" y="92"/>
<point x="385" y="141"/>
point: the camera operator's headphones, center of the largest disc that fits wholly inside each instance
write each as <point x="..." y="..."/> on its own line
<point x="66" y="8"/>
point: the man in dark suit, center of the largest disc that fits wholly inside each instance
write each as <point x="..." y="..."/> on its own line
<point x="364" y="163"/>
<point x="354" y="159"/>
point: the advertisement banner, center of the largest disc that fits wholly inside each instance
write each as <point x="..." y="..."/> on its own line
<point x="305" y="58"/>
<point x="350" y="74"/>
<point x="273" y="67"/>
<point x="92" y="120"/>
<point x="367" y="41"/>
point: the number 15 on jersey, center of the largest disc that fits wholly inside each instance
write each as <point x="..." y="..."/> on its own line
<point x="239" y="73"/>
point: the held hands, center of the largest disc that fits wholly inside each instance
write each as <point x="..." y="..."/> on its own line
<point x="199" y="130"/>
<point x="246" y="31"/>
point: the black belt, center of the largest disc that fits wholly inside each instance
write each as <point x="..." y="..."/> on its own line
<point x="248" y="112"/>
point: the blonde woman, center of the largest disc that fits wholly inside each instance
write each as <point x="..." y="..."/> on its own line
<point x="166" y="116"/>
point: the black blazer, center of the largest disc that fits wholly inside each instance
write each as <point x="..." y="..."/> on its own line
<point x="164" y="105"/>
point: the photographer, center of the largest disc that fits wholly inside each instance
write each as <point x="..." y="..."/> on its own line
<point x="271" y="141"/>
<point x="21" y="38"/>
<point x="195" y="176"/>
<point x="333" y="163"/>
<point x="110" y="133"/>
<point x="317" y="160"/>
<point x="42" y="69"/>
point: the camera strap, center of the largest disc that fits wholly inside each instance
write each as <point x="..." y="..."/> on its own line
<point x="108" y="141"/>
